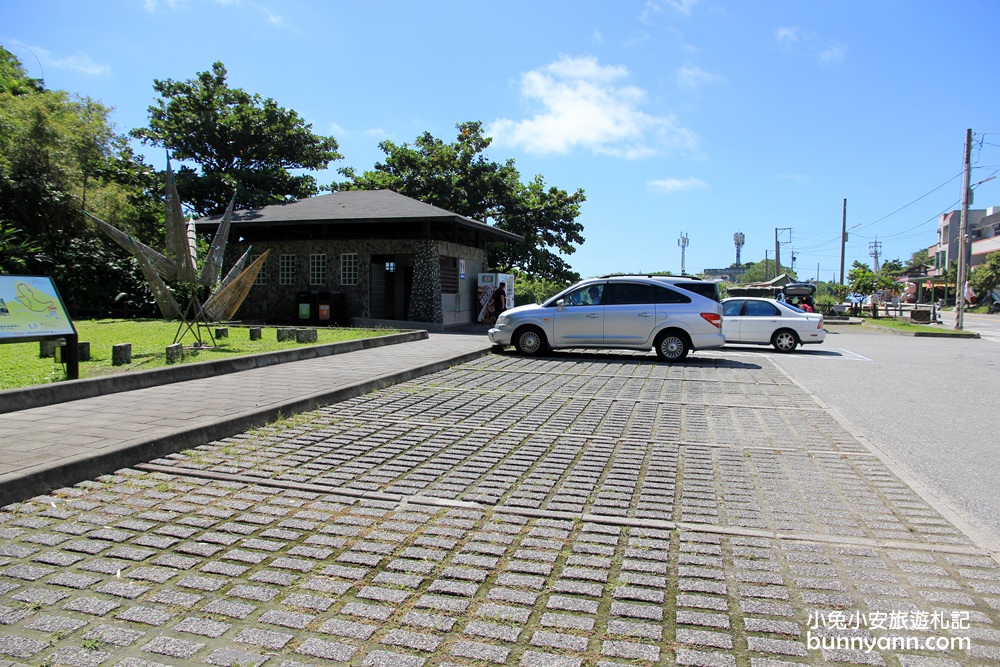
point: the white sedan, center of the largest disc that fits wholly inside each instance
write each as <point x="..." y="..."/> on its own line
<point x="761" y="321"/>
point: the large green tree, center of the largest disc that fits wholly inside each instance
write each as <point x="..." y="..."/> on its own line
<point x="764" y="270"/>
<point x="239" y="141"/>
<point x="459" y="177"/>
<point x="917" y="259"/>
<point x="59" y="156"/>
<point x="986" y="277"/>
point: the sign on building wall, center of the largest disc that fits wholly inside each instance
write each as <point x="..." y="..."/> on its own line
<point x="30" y="308"/>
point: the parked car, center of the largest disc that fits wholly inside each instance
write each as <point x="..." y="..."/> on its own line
<point x="629" y="312"/>
<point x="797" y="294"/>
<point x="706" y="288"/>
<point x="762" y="321"/>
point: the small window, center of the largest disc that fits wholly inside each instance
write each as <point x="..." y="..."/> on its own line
<point x="585" y="296"/>
<point x="449" y="276"/>
<point x="667" y="295"/>
<point x="261" y="278"/>
<point x="709" y="290"/>
<point x="349" y="268"/>
<point x="317" y="270"/>
<point x="286" y="269"/>
<point x="761" y="309"/>
<point x="627" y="294"/>
<point x="732" y="308"/>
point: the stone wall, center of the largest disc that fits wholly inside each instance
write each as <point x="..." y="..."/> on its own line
<point x="273" y="302"/>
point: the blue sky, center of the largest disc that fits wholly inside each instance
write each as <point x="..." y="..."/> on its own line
<point x="703" y="117"/>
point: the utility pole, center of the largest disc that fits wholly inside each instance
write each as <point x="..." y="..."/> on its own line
<point x="767" y="268"/>
<point x="874" y="249"/>
<point x="777" y="248"/>
<point x="843" y="240"/>
<point x="963" y="232"/>
<point x="683" y="243"/>
<point x="777" y="254"/>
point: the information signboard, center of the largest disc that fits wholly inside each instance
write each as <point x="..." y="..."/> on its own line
<point x="31" y="309"/>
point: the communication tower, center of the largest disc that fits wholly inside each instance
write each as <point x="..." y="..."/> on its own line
<point x="683" y="243"/>
<point x="738" y="239"/>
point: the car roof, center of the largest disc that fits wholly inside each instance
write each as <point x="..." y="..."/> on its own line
<point x="653" y="277"/>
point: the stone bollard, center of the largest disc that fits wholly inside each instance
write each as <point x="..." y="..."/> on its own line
<point x="121" y="354"/>
<point x="306" y="335"/>
<point x="83" y="348"/>
<point x="175" y="353"/>
<point x="222" y="332"/>
<point x="285" y="333"/>
<point x="255" y="333"/>
<point x="47" y="348"/>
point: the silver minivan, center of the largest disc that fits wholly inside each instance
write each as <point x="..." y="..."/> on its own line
<point x="629" y="312"/>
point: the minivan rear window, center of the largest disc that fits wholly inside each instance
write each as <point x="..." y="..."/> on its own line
<point x="706" y="289"/>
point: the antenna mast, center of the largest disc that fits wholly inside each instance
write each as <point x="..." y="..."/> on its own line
<point x="683" y="243"/>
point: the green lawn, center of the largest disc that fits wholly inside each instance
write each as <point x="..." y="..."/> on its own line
<point x="20" y="365"/>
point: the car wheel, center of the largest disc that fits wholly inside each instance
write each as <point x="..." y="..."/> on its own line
<point x="530" y="341"/>
<point x="672" y="346"/>
<point x="784" y="340"/>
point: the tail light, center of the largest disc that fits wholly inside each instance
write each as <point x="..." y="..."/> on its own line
<point x="713" y="318"/>
<point x="820" y="322"/>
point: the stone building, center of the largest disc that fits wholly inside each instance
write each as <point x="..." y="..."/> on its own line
<point x="364" y="258"/>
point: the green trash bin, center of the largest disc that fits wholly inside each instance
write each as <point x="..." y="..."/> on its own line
<point x="303" y="307"/>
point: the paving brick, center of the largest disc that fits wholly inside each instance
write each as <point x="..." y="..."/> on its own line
<point x="478" y="651"/>
<point x="412" y="640"/>
<point x="559" y="640"/>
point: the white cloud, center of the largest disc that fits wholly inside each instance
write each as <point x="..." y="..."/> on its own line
<point x="276" y="20"/>
<point x="674" y="185"/>
<point x="77" y="62"/>
<point x="654" y="7"/>
<point x="583" y="104"/>
<point x="796" y="40"/>
<point x="376" y="132"/>
<point x="692" y="76"/>
<point x="835" y="52"/>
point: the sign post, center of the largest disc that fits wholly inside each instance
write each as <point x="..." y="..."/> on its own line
<point x="31" y="309"/>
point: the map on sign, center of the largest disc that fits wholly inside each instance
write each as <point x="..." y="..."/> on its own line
<point x="30" y="307"/>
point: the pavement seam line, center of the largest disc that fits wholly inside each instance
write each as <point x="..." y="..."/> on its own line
<point x="612" y="440"/>
<point x="635" y="522"/>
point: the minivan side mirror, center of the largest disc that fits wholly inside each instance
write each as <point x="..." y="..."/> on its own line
<point x="560" y="303"/>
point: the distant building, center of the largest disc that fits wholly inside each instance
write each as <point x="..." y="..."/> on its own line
<point x="984" y="234"/>
<point x="730" y="274"/>
<point x="364" y="257"/>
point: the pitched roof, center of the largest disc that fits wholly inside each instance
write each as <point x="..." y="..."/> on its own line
<point x="356" y="206"/>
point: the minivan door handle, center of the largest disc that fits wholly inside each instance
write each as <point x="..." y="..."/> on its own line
<point x="593" y="316"/>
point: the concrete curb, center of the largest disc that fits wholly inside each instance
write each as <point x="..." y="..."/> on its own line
<point x="922" y="334"/>
<point x="14" y="400"/>
<point x="90" y="466"/>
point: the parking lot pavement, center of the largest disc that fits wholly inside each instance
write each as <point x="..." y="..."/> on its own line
<point x="581" y="509"/>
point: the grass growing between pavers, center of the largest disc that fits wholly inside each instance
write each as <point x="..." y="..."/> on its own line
<point x="21" y="365"/>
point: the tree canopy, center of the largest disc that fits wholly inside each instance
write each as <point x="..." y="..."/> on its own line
<point x="986" y="277"/>
<point x="460" y="178"/>
<point x="58" y="155"/>
<point x="862" y="280"/>
<point x="240" y="142"/>
<point x="764" y="270"/>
